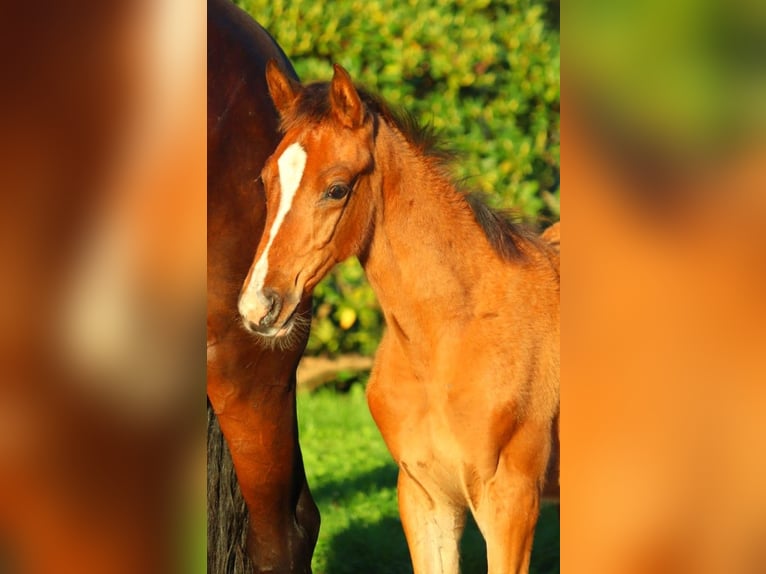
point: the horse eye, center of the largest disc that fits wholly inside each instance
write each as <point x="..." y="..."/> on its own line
<point x="337" y="191"/>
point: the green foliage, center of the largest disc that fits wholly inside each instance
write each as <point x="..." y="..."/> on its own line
<point x="347" y="317"/>
<point x="353" y="481"/>
<point x="485" y="73"/>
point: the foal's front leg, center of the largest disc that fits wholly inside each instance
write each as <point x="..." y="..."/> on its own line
<point x="433" y="525"/>
<point x="510" y="503"/>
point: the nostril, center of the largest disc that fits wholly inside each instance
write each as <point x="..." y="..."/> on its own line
<point x="270" y="296"/>
<point x="273" y="306"/>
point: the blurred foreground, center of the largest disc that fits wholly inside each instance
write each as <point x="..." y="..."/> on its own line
<point x="102" y="230"/>
<point x="664" y="165"/>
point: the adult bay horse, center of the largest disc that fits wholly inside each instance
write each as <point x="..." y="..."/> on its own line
<point x="250" y="386"/>
<point x="465" y="387"/>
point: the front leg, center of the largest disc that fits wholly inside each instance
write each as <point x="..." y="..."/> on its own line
<point x="252" y="392"/>
<point x="509" y="505"/>
<point x="433" y="525"/>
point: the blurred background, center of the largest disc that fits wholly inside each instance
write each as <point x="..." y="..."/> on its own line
<point x="664" y="274"/>
<point x="102" y="230"/>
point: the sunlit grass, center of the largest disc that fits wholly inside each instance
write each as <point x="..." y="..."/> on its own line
<point x="353" y="480"/>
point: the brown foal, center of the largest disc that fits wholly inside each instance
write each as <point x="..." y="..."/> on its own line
<point x="465" y="387"/>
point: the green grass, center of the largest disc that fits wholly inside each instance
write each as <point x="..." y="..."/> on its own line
<point x="353" y="480"/>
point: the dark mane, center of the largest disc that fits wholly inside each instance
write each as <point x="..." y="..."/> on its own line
<point x="314" y="105"/>
<point x="505" y="235"/>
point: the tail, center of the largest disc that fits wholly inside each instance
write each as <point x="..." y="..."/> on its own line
<point x="227" y="518"/>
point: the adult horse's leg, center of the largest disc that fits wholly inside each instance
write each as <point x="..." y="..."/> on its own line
<point x="227" y="518"/>
<point x="306" y="512"/>
<point x="249" y="391"/>
<point x="433" y="525"/>
<point x="509" y="505"/>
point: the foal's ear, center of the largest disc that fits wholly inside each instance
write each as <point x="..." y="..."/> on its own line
<point x="283" y="89"/>
<point x="346" y="104"/>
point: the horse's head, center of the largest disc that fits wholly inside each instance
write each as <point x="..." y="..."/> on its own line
<point x="318" y="194"/>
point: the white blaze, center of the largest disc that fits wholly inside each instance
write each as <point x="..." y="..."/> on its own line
<point x="290" y="165"/>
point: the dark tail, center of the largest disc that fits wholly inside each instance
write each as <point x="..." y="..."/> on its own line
<point x="227" y="517"/>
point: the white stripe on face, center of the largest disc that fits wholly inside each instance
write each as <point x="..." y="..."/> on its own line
<point x="290" y="166"/>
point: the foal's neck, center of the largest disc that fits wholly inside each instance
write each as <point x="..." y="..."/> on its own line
<point x="427" y="251"/>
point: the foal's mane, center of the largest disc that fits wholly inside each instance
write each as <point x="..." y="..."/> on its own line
<point x="504" y="234"/>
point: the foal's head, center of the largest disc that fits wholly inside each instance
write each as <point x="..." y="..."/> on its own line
<point x="318" y="194"/>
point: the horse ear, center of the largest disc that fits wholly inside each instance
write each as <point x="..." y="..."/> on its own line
<point x="346" y="104"/>
<point x="283" y="89"/>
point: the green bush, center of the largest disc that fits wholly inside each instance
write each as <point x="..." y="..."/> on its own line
<point x="347" y="317"/>
<point x="484" y="73"/>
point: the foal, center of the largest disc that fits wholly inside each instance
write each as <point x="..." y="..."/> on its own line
<point x="466" y="379"/>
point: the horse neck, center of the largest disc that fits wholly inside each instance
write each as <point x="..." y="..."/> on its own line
<point x="427" y="251"/>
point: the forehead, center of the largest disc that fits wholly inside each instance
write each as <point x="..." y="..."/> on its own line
<point x="324" y="144"/>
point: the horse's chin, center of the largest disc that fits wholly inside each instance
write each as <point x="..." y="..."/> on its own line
<point x="287" y="328"/>
<point x="274" y="332"/>
<point x="285" y="337"/>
